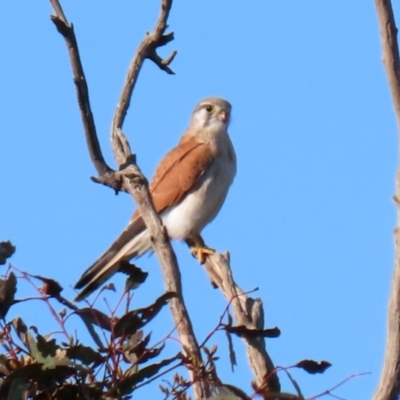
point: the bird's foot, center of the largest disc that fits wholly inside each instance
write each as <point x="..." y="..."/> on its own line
<point x="198" y="248"/>
<point x="201" y="253"/>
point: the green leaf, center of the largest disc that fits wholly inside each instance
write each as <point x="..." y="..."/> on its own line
<point x="91" y="316"/>
<point x="18" y="389"/>
<point x="129" y="324"/>
<point x="95" y="317"/>
<point x="46" y="348"/>
<point x="127" y="384"/>
<point x="59" y="359"/>
<point x="150" y="353"/>
<point x="92" y="332"/>
<point x="232" y="354"/>
<point x="85" y="354"/>
<point x="6" y="251"/>
<point x="243" y="331"/>
<point x="35" y="373"/>
<point x="4" y="365"/>
<point x="134" y="320"/>
<point x="313" y="367"/>
<point x="47" y="353"/>
<point x="135" y="275"/>
<point x="21" y="329"/>
<point x="133" y="345"/>
<point x="50" y="286"/>
<point x="81" y="391"/>
<point x="8" y="288"/>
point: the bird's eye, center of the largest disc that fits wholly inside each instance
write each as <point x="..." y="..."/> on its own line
<point x="209" y="108"/>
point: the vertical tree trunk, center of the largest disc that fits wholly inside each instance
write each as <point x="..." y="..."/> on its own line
<point x="389" y="384"/>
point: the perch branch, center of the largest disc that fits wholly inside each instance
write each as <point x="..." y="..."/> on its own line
<point x="129" y="178"/>
<point x="248" y="312"/>
<point x="137" y="187"/>
<point x="389" y="384"/>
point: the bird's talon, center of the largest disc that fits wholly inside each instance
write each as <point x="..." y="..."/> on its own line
<point x="201" y="253"/>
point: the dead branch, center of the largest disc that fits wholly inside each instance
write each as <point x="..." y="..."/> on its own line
<point x="389" y="384"/>
<point x="130" y="178"/>
<point x="248" y="312"/>
<point x="172" y="277"/>
<point x="82" y="91"/>
<point x="146" y="49"/>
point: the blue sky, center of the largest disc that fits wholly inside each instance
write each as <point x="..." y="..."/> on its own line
<point x="309" y="218"/>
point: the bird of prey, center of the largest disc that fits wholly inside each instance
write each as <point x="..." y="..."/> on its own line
<point x="188" y="189"/>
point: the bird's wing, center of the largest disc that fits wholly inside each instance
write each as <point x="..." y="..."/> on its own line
<point x="175" y="176"/>
<point x="178" y="173"/>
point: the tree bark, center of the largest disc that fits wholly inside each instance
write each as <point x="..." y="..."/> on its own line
<point x="129" y="178"/>
<point x="389" y="384"/>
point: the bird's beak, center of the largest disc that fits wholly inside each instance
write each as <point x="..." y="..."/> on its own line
<point x="223" y="116"/>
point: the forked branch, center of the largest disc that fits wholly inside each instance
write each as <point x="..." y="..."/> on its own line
<point x="147" y="49"/>
<point x="249" y="313"/>
<point x="129" y="177"/>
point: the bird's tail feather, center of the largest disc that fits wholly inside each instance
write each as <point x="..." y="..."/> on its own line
<point x="108" y="264"/>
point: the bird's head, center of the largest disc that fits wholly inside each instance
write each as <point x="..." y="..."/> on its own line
<point x="211" y="113"/>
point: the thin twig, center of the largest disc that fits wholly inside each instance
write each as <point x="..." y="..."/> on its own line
<point x="153" y="378"/>
<point x="46" y="299"/>
<point x="389" y="384"/>
<point x="221" y="318"/>
<point x="329" y="391"/>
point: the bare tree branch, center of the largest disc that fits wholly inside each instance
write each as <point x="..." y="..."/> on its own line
<point x="389" y="384"/>
<point x="146" y="49"/>
<point x="137" y="187"/>
<point x="130" y="178"/>
<point x="67" y="31"/>
<point x="248" y="312"/>
<point x="390" y="50"/>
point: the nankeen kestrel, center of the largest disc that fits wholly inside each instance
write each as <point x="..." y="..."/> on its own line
<point x="188" y="189"/>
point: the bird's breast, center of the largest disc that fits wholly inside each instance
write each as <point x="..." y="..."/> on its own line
<point x="203" y="202"/>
